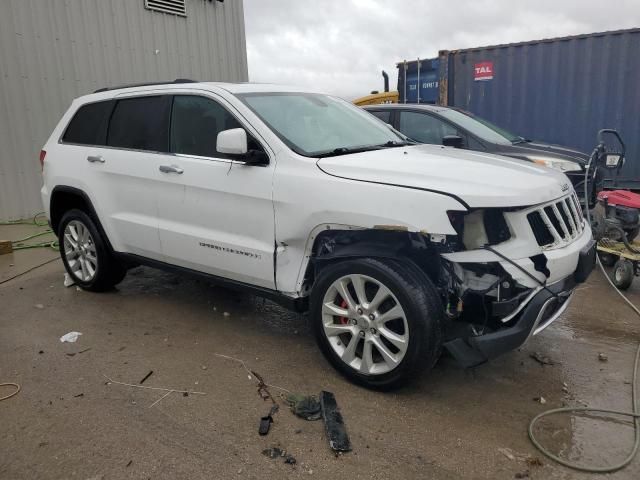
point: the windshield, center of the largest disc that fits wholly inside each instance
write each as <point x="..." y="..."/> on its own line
<point x="481" y="127"/>
<point x="316" y="125"/>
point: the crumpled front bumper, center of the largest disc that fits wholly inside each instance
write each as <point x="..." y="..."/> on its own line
<point x="541" y="310"/>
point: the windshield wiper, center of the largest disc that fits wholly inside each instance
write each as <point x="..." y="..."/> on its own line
<point x="392" y="143"/>
<point x="345" y="151"/>
<point x="520" y="140"/>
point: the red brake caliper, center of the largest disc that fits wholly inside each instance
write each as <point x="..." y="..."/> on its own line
<point x="343" y="320"/>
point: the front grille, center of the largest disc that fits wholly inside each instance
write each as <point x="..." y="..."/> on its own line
<point x="557" y="223"/>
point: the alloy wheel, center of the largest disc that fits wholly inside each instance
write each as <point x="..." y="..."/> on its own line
<point x="365" y="324"/>
<point x="80" y="251"/>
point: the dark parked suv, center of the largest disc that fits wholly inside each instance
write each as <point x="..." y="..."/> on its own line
<point x="454" y="127"/>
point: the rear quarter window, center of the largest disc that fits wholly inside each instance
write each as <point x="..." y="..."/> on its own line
<point x="141" y="123"/>
<point x="89" y="125"/>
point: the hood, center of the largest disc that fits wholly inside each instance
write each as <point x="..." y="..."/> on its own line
<point x="548" y="150"/>
<point x="479" y="180"/>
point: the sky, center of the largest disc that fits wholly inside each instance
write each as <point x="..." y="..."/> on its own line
<point x="341" y="46"/>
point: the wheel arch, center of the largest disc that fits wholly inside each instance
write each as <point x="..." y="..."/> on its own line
<point x="65" y="198"/>
<point x="334" y="245"/>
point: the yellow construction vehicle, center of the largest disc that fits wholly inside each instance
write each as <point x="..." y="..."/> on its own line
<point x="376" y="97"/>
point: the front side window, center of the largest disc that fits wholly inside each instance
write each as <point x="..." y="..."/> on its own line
<point x="195" y="124"/>
<point x="424" y="128"/>
<point x="89" y="125"/>
<point x="320" y="125"/>
<point x="140" y="123"/>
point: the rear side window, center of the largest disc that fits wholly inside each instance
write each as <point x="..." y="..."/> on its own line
<point x="89" y="125"/>
<point x="195" y="124"/>
<point x="385" y="116"/>
<point x="140" y="123"/>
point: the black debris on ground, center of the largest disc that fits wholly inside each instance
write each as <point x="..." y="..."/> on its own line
<point x="334" y="423"/>
<point x="267" y="420"/>
<point x="275" y="452"/>
<point x="146" y="376"/>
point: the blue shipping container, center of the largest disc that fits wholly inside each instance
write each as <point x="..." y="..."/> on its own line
<point x="560" y="90"/>
<point x="419" y="79"/>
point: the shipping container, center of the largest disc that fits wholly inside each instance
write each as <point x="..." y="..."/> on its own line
<point x="419" y="79"/>
<point x="559" y="90"/>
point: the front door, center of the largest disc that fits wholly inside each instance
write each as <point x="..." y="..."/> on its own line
<point x="215" y="213"/>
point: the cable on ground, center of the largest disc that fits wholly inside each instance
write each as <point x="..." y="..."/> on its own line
<point x="10" y="384"/>
<point x="29" y="270"/>
<point x="38" y="222"/>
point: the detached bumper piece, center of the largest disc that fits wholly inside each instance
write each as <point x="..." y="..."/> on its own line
<point x="334" y="424"/>
<point x="542" y="310"/>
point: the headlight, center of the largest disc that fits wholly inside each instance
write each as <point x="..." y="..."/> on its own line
<point x="557" y="164"/>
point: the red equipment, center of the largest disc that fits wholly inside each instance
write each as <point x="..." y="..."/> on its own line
<point x="620" y="197"/>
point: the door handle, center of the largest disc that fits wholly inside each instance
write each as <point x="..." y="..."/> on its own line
<point x="95" y="158"/>
<point x="171" y="169"/>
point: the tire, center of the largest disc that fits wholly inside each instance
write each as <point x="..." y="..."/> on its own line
<point x="85" y="254"/>
<point x="623" y="273"/>
<point x="607" y="259"/>
<point x="400" y="348"/>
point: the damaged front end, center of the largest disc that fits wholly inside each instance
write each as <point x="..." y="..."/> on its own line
<point x="511" y="275"/>
<point x="489" y="313"/>
<point x="502" y="275"/>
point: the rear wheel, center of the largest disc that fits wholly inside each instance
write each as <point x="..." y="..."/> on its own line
<point x="623" y="273"/>
<point x="377" y="322"/>
<point x="85" y="254"/>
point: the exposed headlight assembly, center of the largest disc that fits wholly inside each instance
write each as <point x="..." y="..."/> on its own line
<point x="476" y="228"/>
<point x="557" y="164"/>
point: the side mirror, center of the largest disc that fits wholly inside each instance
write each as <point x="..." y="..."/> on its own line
<point x="452" y="141"/>
<point x="232" y="142"/>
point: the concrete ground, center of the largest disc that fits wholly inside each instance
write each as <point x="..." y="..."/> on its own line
<point x="69" y="422"/>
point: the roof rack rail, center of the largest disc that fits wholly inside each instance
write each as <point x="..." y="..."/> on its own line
<point x="130" y="85"/>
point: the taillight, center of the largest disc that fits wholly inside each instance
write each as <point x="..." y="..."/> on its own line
<point x="43" y="153"/>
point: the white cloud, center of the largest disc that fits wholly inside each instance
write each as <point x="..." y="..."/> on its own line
<point x="341" y="46"/>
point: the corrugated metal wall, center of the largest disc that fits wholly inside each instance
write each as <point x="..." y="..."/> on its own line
<point x="559" y="90"/>
<point x="53" y="51"/>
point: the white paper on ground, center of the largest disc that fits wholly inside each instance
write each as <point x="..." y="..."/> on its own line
<point x="70" y="337"/>
<point x="68" y="281"/>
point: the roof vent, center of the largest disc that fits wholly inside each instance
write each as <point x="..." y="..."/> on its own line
<point x="173" y="7"/>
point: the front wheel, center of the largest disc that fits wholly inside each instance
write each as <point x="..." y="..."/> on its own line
<point x="377" y="321"/>
<point x="85" y="254"/>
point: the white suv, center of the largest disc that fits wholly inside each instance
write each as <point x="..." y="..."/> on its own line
<point x="396" y="250"/>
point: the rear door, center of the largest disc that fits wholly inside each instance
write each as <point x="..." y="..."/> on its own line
<point x="215" y="212"/>
<point x="124" y="174"/>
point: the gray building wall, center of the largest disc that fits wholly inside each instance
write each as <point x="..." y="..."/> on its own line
<point x="55" y="50"/>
